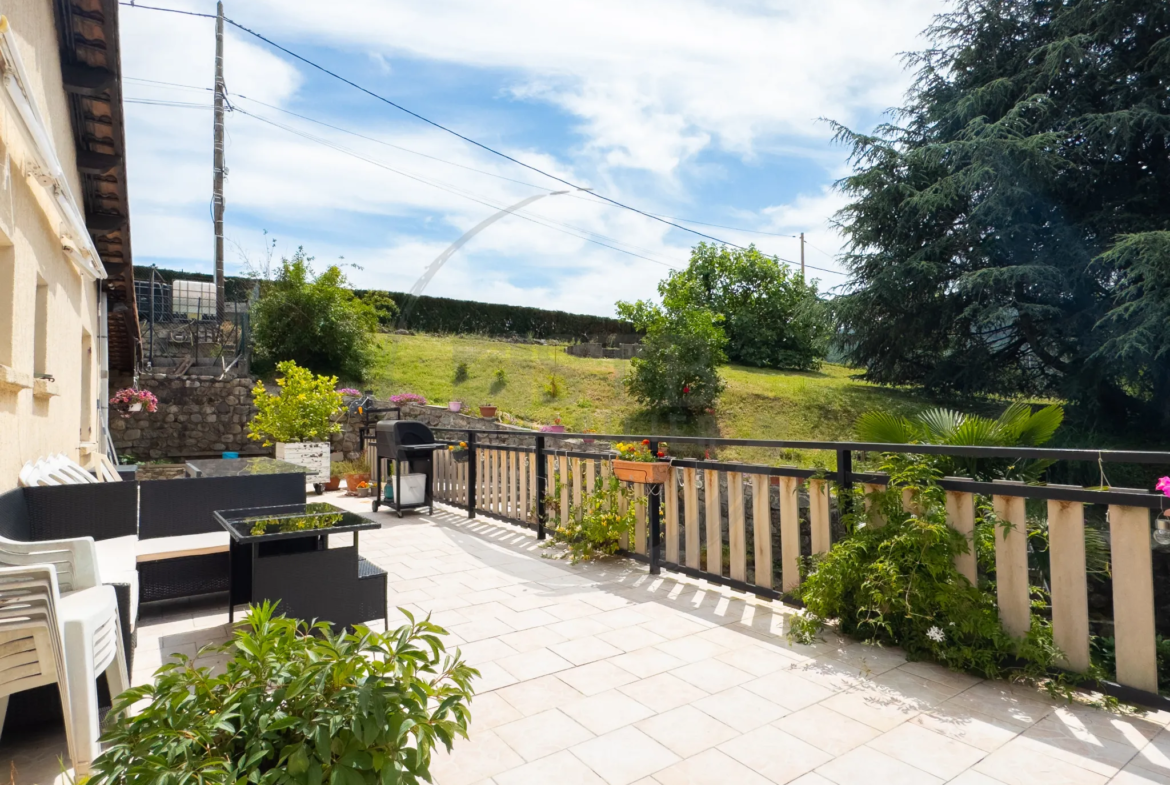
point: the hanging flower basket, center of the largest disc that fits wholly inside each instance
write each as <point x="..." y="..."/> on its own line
<point x="639" y="471"/>
<point x="133" y="400"/>
<point x="635" y="463"/>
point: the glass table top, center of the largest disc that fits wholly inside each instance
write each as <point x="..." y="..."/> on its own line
<point x="241" y="467"/>
<point x="311" y="519"/>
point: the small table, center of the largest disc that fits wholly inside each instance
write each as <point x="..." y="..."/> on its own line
<point x="282" y="554"/>
<point x="241" y="467"/>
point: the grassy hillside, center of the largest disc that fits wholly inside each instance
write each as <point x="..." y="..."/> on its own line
<point x="757" y="403"/>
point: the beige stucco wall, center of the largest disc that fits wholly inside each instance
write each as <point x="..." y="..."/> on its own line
<point x="41" y="418"/>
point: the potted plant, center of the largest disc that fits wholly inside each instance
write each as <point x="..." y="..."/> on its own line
<point x="556" y="427"/>
<point x="460" y="453"/>
<point x="635" y="463"/>
<point x="454" y="406"/>
<point x="354" y="473"/>
<point x="299" y="419"/>
<point x="134" y="400"/>
<point x="363" y="707"/>
<point x="487" y="411"/>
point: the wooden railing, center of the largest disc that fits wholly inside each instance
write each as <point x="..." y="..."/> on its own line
<point x="717" y="521"/>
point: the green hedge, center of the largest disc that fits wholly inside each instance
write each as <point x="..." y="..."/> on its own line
<point x="445" y="315"/>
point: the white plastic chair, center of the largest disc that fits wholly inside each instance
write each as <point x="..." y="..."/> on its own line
<point x="46" y="637"/>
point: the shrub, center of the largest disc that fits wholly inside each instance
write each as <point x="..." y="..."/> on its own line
<point x="897" y="584"/>
<point x="302" y="412"/>
<point x="595" y="528"/>
<point x="295" y="704"/>
<point x="383" y="306"/>
<point x="461" y="373"/>
<point x="313" y="320"/>
<point x="772" y="317"/>
<point x="678" y="367"/>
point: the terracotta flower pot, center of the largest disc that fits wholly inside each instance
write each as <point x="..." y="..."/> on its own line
<point x="354" y="479"/>
<point x="655" y="472"/>
<point x="487" y="411"/>
<point x="333" y="484"/>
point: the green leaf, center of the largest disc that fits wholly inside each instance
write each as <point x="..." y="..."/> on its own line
<point x="885" y="428"/>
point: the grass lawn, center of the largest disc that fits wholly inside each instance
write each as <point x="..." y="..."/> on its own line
<point x="756" y="404"/>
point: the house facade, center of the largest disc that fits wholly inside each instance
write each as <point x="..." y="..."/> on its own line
<point x="67" y="311"/>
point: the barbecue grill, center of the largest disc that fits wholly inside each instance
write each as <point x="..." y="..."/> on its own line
<point x="411" y="443"/>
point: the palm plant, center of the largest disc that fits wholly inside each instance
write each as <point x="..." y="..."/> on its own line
<point x="1018" y="426"/>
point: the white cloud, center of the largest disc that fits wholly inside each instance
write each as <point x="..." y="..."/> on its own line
<point x="651" y="87"/>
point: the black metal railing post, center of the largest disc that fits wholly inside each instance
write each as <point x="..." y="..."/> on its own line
<point x="844" y="482"/>
<point x="653" y="514"/>
<point x="541" y="485"/>
<point x="472" y="462"/>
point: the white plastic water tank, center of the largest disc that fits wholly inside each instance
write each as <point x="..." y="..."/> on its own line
<point x="193" y="299"/>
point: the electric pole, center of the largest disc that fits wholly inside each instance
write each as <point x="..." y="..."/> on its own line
<point x="802" y="256"/>
<point x="217" y="165"/>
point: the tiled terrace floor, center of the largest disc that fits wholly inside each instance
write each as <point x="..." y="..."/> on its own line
<point x="601" y="673"/>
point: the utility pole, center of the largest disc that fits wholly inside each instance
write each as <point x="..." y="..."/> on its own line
<point x="217" y="165"/>
<point x="802" y="256"/>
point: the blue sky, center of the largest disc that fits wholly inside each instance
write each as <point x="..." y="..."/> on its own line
<point x="701" y="110"/>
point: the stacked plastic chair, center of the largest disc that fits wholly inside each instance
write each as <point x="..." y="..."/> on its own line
<point x="65" y="637"/>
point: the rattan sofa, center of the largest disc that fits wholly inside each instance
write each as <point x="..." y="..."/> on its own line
<point x="155" y="539"/>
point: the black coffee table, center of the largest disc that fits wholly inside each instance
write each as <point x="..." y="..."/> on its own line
<point x="282" y="554"/>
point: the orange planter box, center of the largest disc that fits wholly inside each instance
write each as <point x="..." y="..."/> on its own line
<point x="641" y="471"/>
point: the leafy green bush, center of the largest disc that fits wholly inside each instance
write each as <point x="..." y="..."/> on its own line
<point x="302" y="412"/>
<point x="595" y="528"/>
<point x="294" y="705"/>
<point x="678" y="368"/>
<point x="897" y="584"/>
<point x="315" y="320"/>
<point x="383" y="306"/>
<point x="772" y="317"/>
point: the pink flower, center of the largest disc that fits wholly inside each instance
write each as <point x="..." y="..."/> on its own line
<point x="1164" y="485"/>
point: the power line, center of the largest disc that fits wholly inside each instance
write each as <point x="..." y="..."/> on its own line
<point x="539" y="221"/>
<point x="467" y="139"/>
<point x="430" y="122"/>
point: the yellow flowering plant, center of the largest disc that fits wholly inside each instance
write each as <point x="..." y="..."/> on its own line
<point x="303" y="410"/>
<point x="596" y="526"/>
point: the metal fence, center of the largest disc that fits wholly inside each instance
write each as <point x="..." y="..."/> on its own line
<point x="180" y="328"/>
<point x="717" y="521"/>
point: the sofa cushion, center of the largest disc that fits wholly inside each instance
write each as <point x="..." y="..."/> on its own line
<point x="117" y="563"/>
<point x="160" y="548"/>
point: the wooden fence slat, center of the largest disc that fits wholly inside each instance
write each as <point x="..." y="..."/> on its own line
<point x="590" y="477"/>
<point x="565" y="480"/>
<point x="670" y="491"/>
<point x="874" y="519"/>
<point x="491" y="481"/>
<point x="789" y="533"/>
<point x="961" y="518"/>
<point x="1070" y="591"/>
<point x="714" y="520"/>
<point x="523" y="470"/>
<point x="576" y="463"/>
<point x="623" y="508"/>
<point x="640" y="518"/>
<point x="762" y="529"/>
<point x="1011" y="565"/>
<point x="736" y="528"/>
<point x="818" y="515"/>
<point x="1133" y="597"/>
<point x="691" y="513"/>
<point x="501" y="483"/>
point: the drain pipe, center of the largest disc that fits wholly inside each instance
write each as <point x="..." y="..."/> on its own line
<point x="104" y="442"/>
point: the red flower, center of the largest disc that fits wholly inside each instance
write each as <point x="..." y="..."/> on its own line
<point x="686" y="389"/>
<point x="661" y="454"/>
<point x="646" y="442"/>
